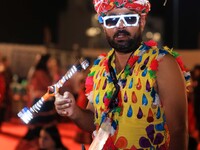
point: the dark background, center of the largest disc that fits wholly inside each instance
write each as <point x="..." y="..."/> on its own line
<point x="23" y="21"/>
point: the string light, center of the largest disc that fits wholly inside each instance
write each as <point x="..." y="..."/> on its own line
<point x="165" y="3"/>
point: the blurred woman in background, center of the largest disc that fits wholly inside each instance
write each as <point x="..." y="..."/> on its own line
<point x="50" y="139"/>
<point x="47" y="116"/>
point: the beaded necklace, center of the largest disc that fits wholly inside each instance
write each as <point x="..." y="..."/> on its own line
<point x="113" y="100"/>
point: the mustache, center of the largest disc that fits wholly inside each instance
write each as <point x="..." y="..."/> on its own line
<point x="121" y="32"/>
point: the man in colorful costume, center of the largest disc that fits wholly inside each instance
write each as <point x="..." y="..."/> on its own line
<point x="136" y="92"/>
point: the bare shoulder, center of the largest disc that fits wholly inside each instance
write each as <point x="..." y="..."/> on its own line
<point x="168" y="67"/>
<point x="170" y="80"/>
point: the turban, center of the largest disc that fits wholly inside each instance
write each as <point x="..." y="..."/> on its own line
<point x="103" y="6"/>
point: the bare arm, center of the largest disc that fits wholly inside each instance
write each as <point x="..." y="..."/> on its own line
<point x="172" y="92"/>
<point x="84" y="118"/>
<point x="66" y="106"/>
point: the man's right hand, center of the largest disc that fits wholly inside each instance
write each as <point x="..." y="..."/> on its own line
<point x="65" y="104"/>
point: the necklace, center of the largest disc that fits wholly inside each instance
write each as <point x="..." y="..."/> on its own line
<point x="103" y="61"/>
<point x="111" y="76"/>
<point x="112" y="99"/>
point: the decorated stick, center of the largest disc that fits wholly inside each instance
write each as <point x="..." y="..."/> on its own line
<point x="26" y="114"/>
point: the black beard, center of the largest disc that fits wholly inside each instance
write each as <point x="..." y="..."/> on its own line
<point x="125" y="46"/>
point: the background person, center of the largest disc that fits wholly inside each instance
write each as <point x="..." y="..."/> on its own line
<point x="2" y="94"/>
<point x="47" y="116"/>
<point x="50" y="139"/>
<point x="8" y="76"/>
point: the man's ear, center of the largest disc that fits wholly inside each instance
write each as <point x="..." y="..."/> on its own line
<point x="142" y="22"/>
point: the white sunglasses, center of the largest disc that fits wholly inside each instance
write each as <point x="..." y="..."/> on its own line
<point x="114" y="21"/>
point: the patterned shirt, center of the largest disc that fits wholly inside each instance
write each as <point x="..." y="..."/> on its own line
<point x="140" y="122"/>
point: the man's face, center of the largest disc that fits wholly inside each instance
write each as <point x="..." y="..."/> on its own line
<point x="122" y="38"/>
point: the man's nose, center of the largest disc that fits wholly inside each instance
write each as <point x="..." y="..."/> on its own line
<point x="121" y="24"/>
